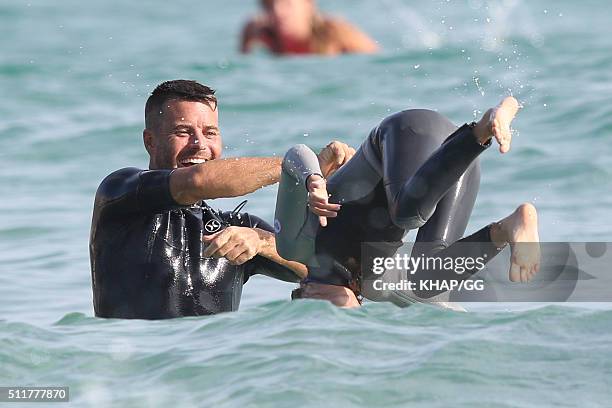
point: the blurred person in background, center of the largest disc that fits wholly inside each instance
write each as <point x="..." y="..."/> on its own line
<point x="297" y="27"/>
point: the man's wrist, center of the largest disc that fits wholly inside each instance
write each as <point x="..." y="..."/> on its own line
<point x="263" y="239"/>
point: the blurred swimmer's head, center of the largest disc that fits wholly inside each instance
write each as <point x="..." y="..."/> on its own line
<point x="291" y="18"/>
<point x="297" y="27"/>
<point x="181" y="125"/>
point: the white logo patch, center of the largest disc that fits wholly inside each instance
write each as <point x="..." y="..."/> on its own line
<point x="212" y="226"/>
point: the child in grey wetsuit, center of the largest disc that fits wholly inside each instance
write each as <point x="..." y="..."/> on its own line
<point x="415" y="170"/>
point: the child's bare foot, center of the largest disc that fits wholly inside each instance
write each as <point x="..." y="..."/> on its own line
<point x="496" y="122"/>
<point x="520" y="230"/>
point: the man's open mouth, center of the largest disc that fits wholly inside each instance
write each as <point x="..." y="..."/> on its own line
<point x="190" y="161"/>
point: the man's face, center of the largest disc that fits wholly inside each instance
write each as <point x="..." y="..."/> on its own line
<point x="187" y="133"/>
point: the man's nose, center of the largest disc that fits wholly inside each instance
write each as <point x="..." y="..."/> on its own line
<point x="197" y="139"/>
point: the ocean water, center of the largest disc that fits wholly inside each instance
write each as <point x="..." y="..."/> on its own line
<point x="74" y="78"/>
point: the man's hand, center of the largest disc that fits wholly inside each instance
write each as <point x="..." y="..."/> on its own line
<point x="339" y="295"/>
<point x="318" y="199"/>
<point x="236" y="244"/>
<point x="334" y="156"/>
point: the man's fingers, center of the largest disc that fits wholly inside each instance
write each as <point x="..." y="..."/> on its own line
<point x="215" y="241"/>
<point x="242" y="258"/>
<point x="333" y="156"/>
<point x="239" y="255"/>
<point x="319" y="202"/>
<point x="324" y="213"/>
<point x="319" y="199"/>
<point x="210" y="249"/>
<point x="221" y="246"/>
<point x="346" y="153"/>
<point x="342" y="152"/>
<point x="350" y="153"/>
<point x="321" y="207"/>
<point x="323" y="221"/>
<point x="339" y="154"/>
<point x="314" y="185"/>
<point x="318" y="196"/>
<point x="219" y="239"/>
<point x="325" y="207"/>
<point x="225" y="249"/>
<point x="211" y="237"/>
<point x="324" y="204"/>
<point x="234" y="252"/>
<point x="338" y="295"/>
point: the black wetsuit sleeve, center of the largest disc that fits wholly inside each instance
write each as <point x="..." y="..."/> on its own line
<point x="260" y="264"/>
<point x="132" y="190"/>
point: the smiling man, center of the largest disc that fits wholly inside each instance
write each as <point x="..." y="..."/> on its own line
<point x="157" y="250"/>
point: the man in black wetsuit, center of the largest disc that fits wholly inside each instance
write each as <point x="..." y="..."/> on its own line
<point x="157" y="250"/>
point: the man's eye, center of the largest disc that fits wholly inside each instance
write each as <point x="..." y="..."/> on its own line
<point x="211" y="134"/>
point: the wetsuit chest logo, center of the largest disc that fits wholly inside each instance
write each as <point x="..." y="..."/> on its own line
<point x="212" y="226"/>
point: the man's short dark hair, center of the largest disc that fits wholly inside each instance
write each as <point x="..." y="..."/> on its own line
<point x="178" y="89"/>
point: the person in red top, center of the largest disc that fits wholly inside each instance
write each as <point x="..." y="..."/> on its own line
<point x="297" y="27"/>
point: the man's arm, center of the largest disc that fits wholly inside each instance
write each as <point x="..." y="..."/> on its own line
<point x="254" y="237"/>
<point x="223" y="178"/>
<point x="268" y="250"/>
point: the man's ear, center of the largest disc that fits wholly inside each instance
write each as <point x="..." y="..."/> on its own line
<point x="149" y="141"/>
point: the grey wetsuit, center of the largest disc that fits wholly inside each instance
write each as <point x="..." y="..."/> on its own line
<point x="415" y="170"/>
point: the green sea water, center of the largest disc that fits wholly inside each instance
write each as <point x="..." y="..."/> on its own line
<point x="74" y="77"/>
